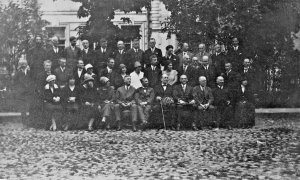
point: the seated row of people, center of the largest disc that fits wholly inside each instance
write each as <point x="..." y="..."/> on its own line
<point x="103" y="104"/>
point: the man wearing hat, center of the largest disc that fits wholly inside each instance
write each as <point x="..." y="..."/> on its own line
<point x="106" y="96"/>
<point x="72" y="53"/>
<point x="125" y="100"/>
<point x="89" y="101"/>
<point x="52" y="100"/>
<point x="144" y="97"/>
<point x="137" y="75"/>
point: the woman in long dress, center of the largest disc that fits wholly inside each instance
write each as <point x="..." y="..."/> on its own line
<point x="172" y="74"/>
<point x="244" y="105"/>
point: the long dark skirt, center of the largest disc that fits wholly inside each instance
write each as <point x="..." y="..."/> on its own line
<point x="53" y="111"/>
<point x="87" y="113"/>
<point x="244" y="115"/>
<point x="71" y="115"/>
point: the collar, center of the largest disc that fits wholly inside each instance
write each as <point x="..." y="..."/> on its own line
<point x="152" y="49"/>
<point x="47" y="86"/>
<point x="228" y="71"/>
<point x="62" y="68"/>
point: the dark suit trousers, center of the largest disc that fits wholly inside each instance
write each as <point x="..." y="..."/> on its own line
<point x="204" y="117"/>
<point x="144" y="112"/>
<point x="181" y="109"/>
<point x="119" y="108"/>
<point x="106" y="109"/>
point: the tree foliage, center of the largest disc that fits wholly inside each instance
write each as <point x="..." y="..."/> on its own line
<point x="101" y="12"/>
<point x="19" y="23"/>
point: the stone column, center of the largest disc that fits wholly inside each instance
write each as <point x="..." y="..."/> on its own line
<point x="155" y="22"/>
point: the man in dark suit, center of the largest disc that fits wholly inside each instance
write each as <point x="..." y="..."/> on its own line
<point x="144" y="97"/>
<point x="134" y="54"/>
<point x="62" y="73"/>
<point x="170" y="57"/>
<point x="120" y="54"/>
<point x="185" y="52"/>
<point x="188" y="70"/>
<point x="223" y="102"/>
<point x="72" y="53"/>
<point x="79" y="72"/>
<point x="88" y="54"/>
<point x="218" y="60"/>
<point x="36" y="57"/>
<point x="110" y="72"/>
<point x="231" y="78"/>
<point x="153" y="73"/>
<point x="125" y="100"/>
<point x="235" y="54"/>
<point x="102" y="55"/>
<point x="248" y="72"/>
<point x="202" y="52"/>
<point x="164" y="96"/>
<point x="151" y="51"/>
<point x="183" y="97"/>
<point x="54" y="53"/>
<point x="208" y="71"/>
<point x="204" y="99"/>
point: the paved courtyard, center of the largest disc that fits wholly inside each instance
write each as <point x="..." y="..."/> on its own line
<point x="271" y="150"/>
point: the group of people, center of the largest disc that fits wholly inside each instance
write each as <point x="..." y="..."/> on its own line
<point x="102" y="86"/>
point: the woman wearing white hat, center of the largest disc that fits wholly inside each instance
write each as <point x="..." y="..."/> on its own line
<point x="52" y="100"/>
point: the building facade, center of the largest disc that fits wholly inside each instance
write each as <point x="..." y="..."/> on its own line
<point x="62" y="16"/>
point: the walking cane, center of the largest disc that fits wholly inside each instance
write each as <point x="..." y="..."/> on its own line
<point x="162" y="112"/>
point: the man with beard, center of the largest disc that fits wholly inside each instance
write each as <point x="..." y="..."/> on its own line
<point x="36" y="57"/>
<point x="144" y="97"/>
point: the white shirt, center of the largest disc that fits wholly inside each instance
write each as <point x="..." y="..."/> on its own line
<point x="136" y="50"/>
<point x="202" y="88"/>
<point x="72" y="88"/>
<point x="246" y="70"/>
<point x="103" y="50"/>
<point x="73" y="48"/>
<point x="221" y="87"/>
<point x="152" y="49"/>
<point x="228" y="72"/>
<point x="55" y="49"/>
<point x="164" y="87"/>
<point x="183" y="86"/>
<point x="206" y="67"/>
<point x="108" y="69"/>
<point x="79" y="72"/>
<point x="152" y="67"/>
<point x="243" y="88"/>
<point x="236" y="48"/>
<point x="136" y="79"/>
<point x="121" y="51"/>
<point x="86" y="50"/>
<point x="62" y="69"/>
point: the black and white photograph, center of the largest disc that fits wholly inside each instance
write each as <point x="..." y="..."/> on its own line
<point x="149" y="90"/>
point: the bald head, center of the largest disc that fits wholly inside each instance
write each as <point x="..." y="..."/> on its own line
<point x="201" y="47"/>
<point x="205" y="60"/>
<point x="54" y="41"/>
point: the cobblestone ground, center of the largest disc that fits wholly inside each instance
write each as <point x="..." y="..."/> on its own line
<point x="271" y="150"/>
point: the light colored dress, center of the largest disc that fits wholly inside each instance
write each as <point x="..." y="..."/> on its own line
<point x="173" y="76"/>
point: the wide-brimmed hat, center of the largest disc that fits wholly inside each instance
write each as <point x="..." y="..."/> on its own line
<point x="88" y="66"/>
<point x="122" y="66"/>
<point x="87" y="77"/>
<point x="50" y="78"/>
<point x="137" y="64"/>
<point x="103" y="79"/>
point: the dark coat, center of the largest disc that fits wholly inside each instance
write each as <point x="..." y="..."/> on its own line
<point x="173" y="58"/>
<point x="235" y="57"/>
<point x="123" y="95"/>
<point x="101" y="58"/>
<point x="143" y="94"/>
<point x="49" y="95"/>
<point x="54" y="57"/>
<point x="231" y="80"/>
<point x="250" y="75"/>
<point x="238" y="95"/>
<point x="105" y="93"/>
<point x="62" y="76"/>
<point x="132" y="57"/>
<point x="149" y="53"/>
<point x="191" y="74"/>
<point x="67" y="93"/>
<point x="159" y="91"/>
<point x="180" y="56"/>
<point x="89" y="95"/>
<point x="23" y="85"/>
<point x="89" y="57"/>
<point x="179" y="94"/>
<point x="203" y="97"/>
<point x="218" y="61"/>
<point x="153" y="76"/>
<point x="78" y="80"/>
<point x="36" y="57"/>
<point x="112" y="76"/>
<point x="72" y="56"/>
<point x="210" y="75"/>
<point x="222" y="96"/>
<point x="119" y="58"/>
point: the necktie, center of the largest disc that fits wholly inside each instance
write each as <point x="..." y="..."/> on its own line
<point x="183" y="87"/>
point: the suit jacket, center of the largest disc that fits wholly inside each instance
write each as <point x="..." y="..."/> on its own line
<point x="153" y="76"/>
<point x="231" y="79"/>
<point x="218" y="61"/>
<point x="89" y="95"/>
<point x="180" y="56"/>
<point x="54" y="57"/>
<point x="62" y="76"/>
<point x="173" y="58"/>
<point x="123" y="95"/>
<point x="119" y="58"/>
<point x="235" y="57"/>
<point x="66" y="93"/>
<point x="203" y="97"/>
<point x="78" y="79"/>
<point x="112" y="76"/>
<point x="250" y="75"/>
<point x="36" y="57"/>
<point x="72" y="56"/>
<point x="200" y="55"/>
<point x="101" y="58"/>
<point x="143" y="94"/>
<point x="179" y="94"/>
<point x="132" y="56"/>
<point x="159" y="91"/>
<point x="106" y="93"/>
<point x="191" y="74"/>
<point x="210" y="75"/>
<point x="89" y="57"/>
<point x="221" y="96"/>
<point x="238" y="95"/>
<point x="149" y="53"/>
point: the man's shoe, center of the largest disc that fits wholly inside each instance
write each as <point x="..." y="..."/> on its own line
<point x="134" y="128"/>
<point x="119" y="126"/>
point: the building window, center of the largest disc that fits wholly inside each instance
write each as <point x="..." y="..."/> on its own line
<point x="130" y="32"/>
<point x="59" y="32"/>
